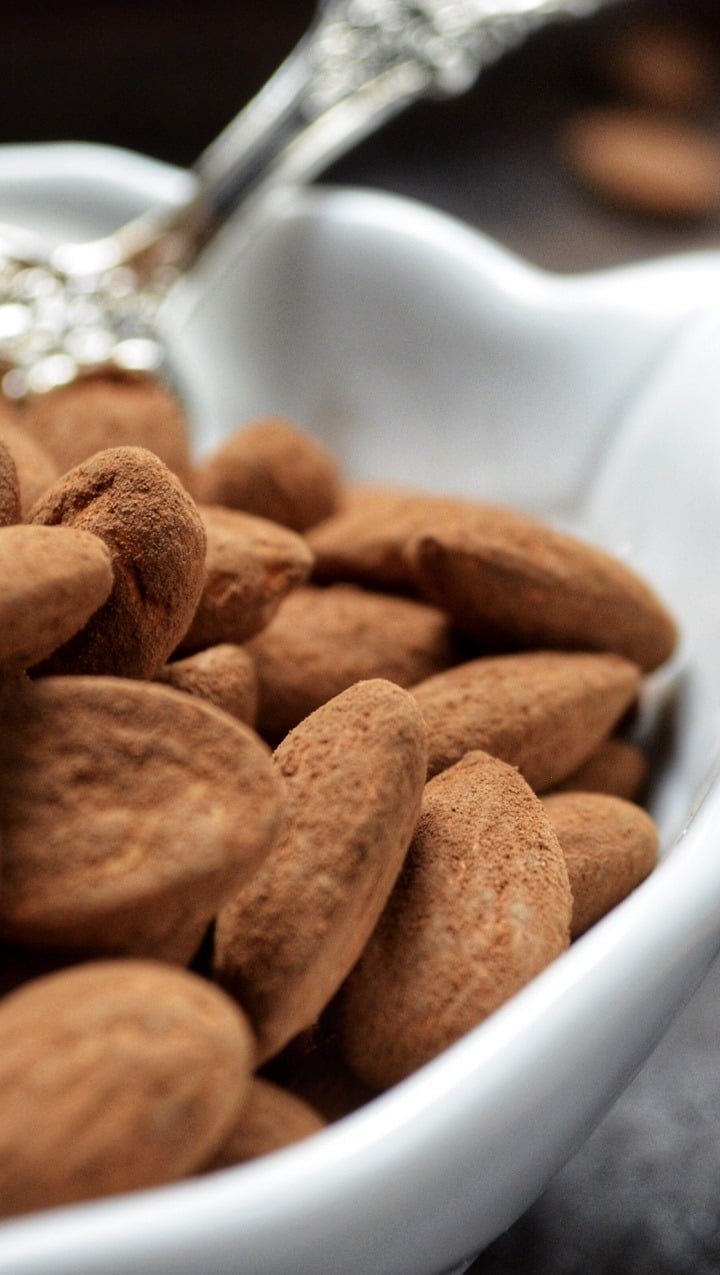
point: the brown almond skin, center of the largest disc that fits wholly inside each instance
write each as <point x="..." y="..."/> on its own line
<point x="52" y="579"/>
<point x="323" y="640"/>
<point x="223" y="675"/>
<point x="618" y="767"/>
<point x="110" y="409"/>
<point x="123" y="1075"/>
<point x="353" y="775"/>
<point x="365" y="541"/>
<point x="132" y="501"/>
<point x="610" y="845"/>
<point x="543" y="711"/>
<point x="481" y="906"/>
<point x="270" y="1119"/>
<point x="35" y="467"/>
<point x="10" y="509"/>
<point x="251" y="564"/>
<point x="275" y="470"/>
<point x="508" y="578"/>
<point x="129" y="815"/>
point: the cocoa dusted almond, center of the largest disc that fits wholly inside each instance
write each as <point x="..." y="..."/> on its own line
<point x="132" y="501"/>
<point x="110" y="409"/>
<point x="123" y="1075"/>
<point x="618" y="767"/>
<point x="251" y="564"/>
<point x="543" y="711"/>
<point x="129" y="814"/>
<point x="223" y="675"/>
<point x="354" y="773"/>
<point x="507" y="578"/>
<point x="481" y="906"/>
<point x="270" y="1119"/>
<point x="275" y="470"/>
<point x="610" y="846"/>
<point x="322" y="640"/>
<point x="52" y="579"/>
<point x="35" y="467"/>
<point x="365" y="541"/>
<point x="10" y="511"/>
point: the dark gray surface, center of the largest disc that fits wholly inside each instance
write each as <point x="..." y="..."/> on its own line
<point x="642" y="1197"/>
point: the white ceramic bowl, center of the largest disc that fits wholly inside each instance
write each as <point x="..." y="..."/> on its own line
<point x="423" y="352"/>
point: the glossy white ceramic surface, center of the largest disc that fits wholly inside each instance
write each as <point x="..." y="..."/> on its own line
<point x="423" y="352"/>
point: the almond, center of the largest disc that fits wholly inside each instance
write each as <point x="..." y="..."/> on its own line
<point x="365" y="540"/>
<point x="481" y="906"/>
<point x="273" y="469"/>
<point x="110" y="409"/>
<point x="610" y="846"/>
<point x="543" y="711"/>
<point x="52" y="579"/>
<point x="354" y="773"/>
<point x="507" y="578"/>
<point x="270" y="1119"/>
<point x="324" y="640"/>
<point x="123" y="1075"/>
<point x="132" y="501"/>
<point x="618" y="767"/>
<point x="223" y="675"/>
<point x="129" y="814"/>
<point x="35" y="467"/>
<point x="10" y="511"/>
<point x="251" y="564"/>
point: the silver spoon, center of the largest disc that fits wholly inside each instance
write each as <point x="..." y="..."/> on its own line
<point x="80" y="307"/>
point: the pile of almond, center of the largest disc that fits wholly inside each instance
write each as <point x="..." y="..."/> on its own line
<point x="210" y="949"/>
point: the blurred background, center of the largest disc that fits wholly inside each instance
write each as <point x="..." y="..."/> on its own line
<point x="594" y="144"/>
<point x="164" y="76"/>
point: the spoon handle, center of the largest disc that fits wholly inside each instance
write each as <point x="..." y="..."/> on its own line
<point x="360" y="63"/>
